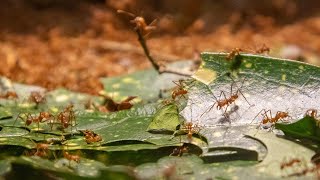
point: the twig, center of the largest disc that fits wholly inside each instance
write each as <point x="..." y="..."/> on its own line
<point x="146" y="50"/>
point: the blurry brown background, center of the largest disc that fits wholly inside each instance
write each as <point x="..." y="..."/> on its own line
<point x="59" y="43"/>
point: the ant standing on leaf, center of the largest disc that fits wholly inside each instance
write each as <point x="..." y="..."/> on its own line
<point x="227" y="101"/>
<point x="67" y="117"/>
<point x="37" y="97"/>
<point x="43" y="116"/>
<point x="91" y="137"/>
<point x="280" y="116"/>
<point x="178" y="151"/>
<point x="179" y="90"/>
<point x="113" y="106"/>
<point x="9" y="95"/>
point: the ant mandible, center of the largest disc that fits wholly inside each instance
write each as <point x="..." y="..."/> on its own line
<point x="140" y="23"/>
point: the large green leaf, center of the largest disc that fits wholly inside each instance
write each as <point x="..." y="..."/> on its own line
<point x="146" y="84"/>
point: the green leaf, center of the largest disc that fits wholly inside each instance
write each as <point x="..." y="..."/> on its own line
<point x="165" y="120"/>
<point x="145" y="84"/>
<point x="304" y="128"/>
<point x="5" y="167"/>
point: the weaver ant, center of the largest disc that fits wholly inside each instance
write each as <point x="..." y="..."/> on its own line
<point x="42" y="150"/>
<point x="91" y="137"/>
<point x="113" y="106"/>
<point x="226" y="102"/>
<point x="178" y="151"/>
<point x="262" y="50"/>
<point x="43" y="116"/>
<point x="280" y="115"/>
<point x="314" y="114"/>
<point x="140" y="23"/>
<point x="71" y="157"/>
<point x="290" y="163"/>
<point x="9" y="95"/>
<point x="235" y="52"/>
<point x="179" y="90"/>
<point x="67" y="117"/>
<point x="37" y="97"/>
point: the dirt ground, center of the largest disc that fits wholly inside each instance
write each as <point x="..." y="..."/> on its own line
<point x="56" y="43"/>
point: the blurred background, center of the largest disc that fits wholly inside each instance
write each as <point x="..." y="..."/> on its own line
<point x="59" y="43"/>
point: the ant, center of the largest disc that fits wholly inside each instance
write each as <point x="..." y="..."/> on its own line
<point x="9" y="95"/>
<point x="37" y="97"/>
<point x="314" y="114"/>
<point x="67" y="117"/>
<point x="178" y="151"/>
<point x="235" y="52"/>
<point x="179" y="90"/>
<point x="262" y="50"/>
<point x="113" y="106"/>
<point x="290" y="163"/>
<point x="43" y="116"/>
<point x="91" y="137"/>
<point x="190" y="129"/>
<point x="280" y="115"/>
<point x="226" y="102"/>
<point x="42" y="150"/>
<point x="139" y="21"/>
<point x="71" y="157"/>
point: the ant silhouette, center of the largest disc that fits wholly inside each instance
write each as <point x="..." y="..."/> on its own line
<point x="179" y="89"/>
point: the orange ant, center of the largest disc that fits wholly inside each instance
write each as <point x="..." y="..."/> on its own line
<point x="263" y="49"/>
<point x="314" y="114"/>
<point x="233" y="53"/>
<point x="42" y="150"/>
<point x="290" y="163"/>
<point x="280" y="115"/>
<point x="67" y="117"/>
<point x="179" y="90"/>
<point x="226" y="102"/>
<point x="113" y="106"/>
<point x="71" y="157"/>
<point x="91" y="137"/>
<point x="43" y="116"/>
<point x="37" y="97"/>
<point x="190" y="129"/>
<point x="178" y="151"/>
<point x="140" y="23"/>
<point x="9" y="95"/>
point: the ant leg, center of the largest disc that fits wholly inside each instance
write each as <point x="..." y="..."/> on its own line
<point x="243" y="96"/>
<point x="17" y="119"/>
<point x="258" y="115"/>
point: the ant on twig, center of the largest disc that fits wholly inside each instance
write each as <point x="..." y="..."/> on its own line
<point x="143" y="30"/>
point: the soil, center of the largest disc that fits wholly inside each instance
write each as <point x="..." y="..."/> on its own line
<point x="71" y="44"/>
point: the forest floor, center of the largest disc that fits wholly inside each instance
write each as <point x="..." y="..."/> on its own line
<point x="72" y="46"/>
